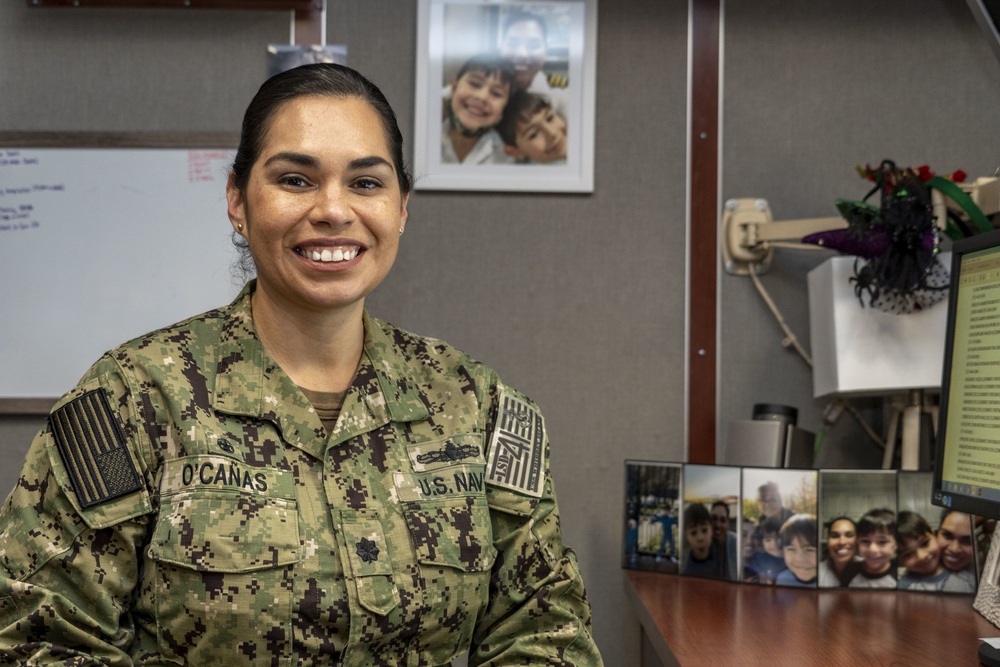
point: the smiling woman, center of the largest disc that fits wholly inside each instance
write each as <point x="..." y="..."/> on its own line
<point x="288" y="480"/>
<point x="312" y="195"/>
<point x="840" y="563"/>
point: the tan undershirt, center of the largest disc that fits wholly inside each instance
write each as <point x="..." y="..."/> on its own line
<point x="327" y="405"/>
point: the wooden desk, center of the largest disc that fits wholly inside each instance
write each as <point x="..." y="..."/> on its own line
<point x="704" y="623"/>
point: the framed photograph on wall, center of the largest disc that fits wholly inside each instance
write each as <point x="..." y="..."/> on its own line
<point x="505" y="95"/>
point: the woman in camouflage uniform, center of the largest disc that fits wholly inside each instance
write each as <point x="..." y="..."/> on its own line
<point x="288" y="480"/>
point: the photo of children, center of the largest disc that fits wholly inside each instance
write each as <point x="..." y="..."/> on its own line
<point x="782" y="504"/>
<point x="766" y="560"/>
<point x="877" y="549"/>
<point x="936" y="546"/>
<point x="845" y="497"/>
<point x="479" y="92"/>
<point x="532" y="130"/>
<point x="505" y="95"/>
<point x="710" y="522"/>
<point x="920" y="563"/>
<point x="519" y="72"/>
<point x="798" y="549"/>
<point x="651" y="522"/>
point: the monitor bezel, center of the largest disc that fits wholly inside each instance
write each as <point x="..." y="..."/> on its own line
<point x="958" y="502"/>
<point x="987" y="15"/>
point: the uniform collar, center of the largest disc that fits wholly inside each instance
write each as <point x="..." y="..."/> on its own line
<point x="248" y="382"/>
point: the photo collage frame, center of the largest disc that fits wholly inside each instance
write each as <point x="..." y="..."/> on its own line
<point x="820" y="529"/>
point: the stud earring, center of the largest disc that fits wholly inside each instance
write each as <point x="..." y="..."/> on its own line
<point x="239" y="227"/>
<point x="400" y="230"/>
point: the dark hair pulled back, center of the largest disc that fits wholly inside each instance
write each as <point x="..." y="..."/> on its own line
<point x="327" y="79"/>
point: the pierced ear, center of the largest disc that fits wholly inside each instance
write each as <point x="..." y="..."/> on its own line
<point x="236" y="206"/>
<point x="404" y="214"/>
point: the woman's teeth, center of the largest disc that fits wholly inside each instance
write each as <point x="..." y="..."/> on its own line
<point x="332" y="254"/>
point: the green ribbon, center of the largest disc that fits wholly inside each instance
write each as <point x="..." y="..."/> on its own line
<point x="950" y="189"/>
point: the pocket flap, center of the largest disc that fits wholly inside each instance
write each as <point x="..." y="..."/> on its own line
<point x="371" y="564"/>
<point x="219" y="531"/>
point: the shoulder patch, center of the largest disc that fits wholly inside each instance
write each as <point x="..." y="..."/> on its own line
<point x="92" y="447"/>
<point x="517" y="447"/>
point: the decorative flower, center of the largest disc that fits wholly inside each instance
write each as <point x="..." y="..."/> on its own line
<point x="367" y="550"/>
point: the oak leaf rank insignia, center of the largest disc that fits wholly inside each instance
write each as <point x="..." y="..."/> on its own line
<point x="367" y="550"/>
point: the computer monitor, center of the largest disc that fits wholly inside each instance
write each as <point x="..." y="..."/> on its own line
<point x="967" y="470"/>
<point x="987" y="14"/>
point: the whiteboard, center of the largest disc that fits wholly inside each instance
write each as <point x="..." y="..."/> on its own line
<point x="99" y="245"/>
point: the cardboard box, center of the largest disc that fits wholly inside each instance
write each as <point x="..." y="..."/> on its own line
<point x="859" y="350"/>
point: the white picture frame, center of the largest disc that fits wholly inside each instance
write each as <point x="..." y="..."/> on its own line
<point x="450" y="32"/>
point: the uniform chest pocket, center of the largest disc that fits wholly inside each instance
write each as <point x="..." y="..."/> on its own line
<point x="220" y="559"/>
<point x="226" y="532"/>
<point x="218" y="517"/>
<point x="443" y="500"/>
<point x="452" y="532"/>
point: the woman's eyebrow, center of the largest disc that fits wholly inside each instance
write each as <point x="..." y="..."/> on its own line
<point x="306" y="160"/>
<point x="368" y="162"/>
<point x="300" y="159"/>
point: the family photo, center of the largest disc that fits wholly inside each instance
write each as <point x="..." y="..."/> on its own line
<point x="940" y="550"/>
<point x="859" y="523"/>
<point x="504" y="96"/>
<point x="505" y="104"/>
<point x="779" y="522"/>
<point x="709" y="523"/>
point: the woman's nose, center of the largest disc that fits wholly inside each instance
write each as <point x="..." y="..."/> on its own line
<point x="332" y="206"/>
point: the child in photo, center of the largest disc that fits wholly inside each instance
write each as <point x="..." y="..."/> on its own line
<point x="877" y="548"/>
<point x="632" y="543"/>
<point x="667" y="518"/>
<point x="698" y="540"/>
<point x="798" y="546"/>
<point x="532" y="130"/>
<point x="920" y="555"/>
<point x="764" y="565"/>
<point x="479" y="93"/>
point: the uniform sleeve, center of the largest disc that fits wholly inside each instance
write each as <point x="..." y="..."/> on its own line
<point x="538" y="612"/>
<point x="72" y="529"/>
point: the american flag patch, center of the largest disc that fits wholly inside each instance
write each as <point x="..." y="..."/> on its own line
<point x="517" y="448"/>
<point x="92" y="447"/>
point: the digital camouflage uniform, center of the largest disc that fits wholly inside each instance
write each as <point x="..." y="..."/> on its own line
<point x="184" y="505"/>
